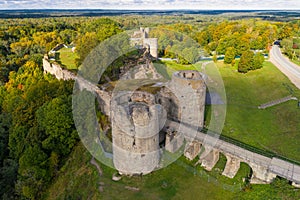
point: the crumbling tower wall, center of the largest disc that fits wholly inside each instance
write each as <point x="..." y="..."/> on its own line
<point x="190" y="89"/>
<point x="141" y="39"/>
<point x="135" y="132"/>
<point x="152" y="44"/>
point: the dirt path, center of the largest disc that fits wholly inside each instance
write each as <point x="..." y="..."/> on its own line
<point x="93" y="162"/>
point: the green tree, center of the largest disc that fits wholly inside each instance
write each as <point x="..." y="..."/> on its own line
<point x="84" y="45"/>
<point x="33" y="170"/>
<point x="245" y="63"/>
<point x="258" y="60"/>
<point x="287" y="45"/>
<point x="8" y="177"/>
<point x="92" y="33"/>
<point x="203" y="38"/>
<point x="68" y="36"/>
<point x="191" y="54"/>
<point x="55" y="119"/>
<point x="229" y="55"/>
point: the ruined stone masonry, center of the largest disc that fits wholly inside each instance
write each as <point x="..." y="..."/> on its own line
<point x="172" y="117"/>
<point x="136" y="122"/>
<point x="140" y="39"/>
<point x="137" y="135"/>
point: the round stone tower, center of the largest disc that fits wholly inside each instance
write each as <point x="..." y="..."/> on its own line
<point x="135" y="132"/>
<point x="153" y="45"/>
<point x="190" y="89"/>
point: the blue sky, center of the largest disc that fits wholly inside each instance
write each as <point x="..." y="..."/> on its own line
<point x="153" y="4"/>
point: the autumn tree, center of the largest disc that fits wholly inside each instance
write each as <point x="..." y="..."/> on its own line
<point x="258" y="60"/>
<point x="250" y="61"/>
<point x="92" y="33"/>
<point x="229" y="55"/>
<point x="287" y="46"/>
<point x="245" y="63"/>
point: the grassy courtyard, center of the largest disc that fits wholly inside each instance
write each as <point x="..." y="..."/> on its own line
<point x="67" y="58"/>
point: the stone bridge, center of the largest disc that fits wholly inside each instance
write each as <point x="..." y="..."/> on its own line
<point x="264" y="169"/>
<point x="206" y="146"/>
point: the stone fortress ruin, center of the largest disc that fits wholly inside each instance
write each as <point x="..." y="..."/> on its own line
<point x="138" y="117"/>
<point x="135" y="132"/>
<point x="169" y="116"/>
<point x="140" y="39"/>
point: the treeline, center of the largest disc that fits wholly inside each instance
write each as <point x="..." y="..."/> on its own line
<point x="247" y="39"/>
<point x="240" y="35"/>
<point x="176" y="41"/>
<point x="242" y="38"/>
<point x="37" y="132"/>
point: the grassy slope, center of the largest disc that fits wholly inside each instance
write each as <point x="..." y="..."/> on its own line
<point x="274" y="128"/>
<point x="297" y="62"/>
<point x="78" y="179"/>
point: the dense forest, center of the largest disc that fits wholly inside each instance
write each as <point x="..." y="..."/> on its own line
<point x="37" y="128"/>
<point x="37" y="132"/>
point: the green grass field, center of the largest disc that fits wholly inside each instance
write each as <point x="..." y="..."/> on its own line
<point x="78" y="179"/>
<point x="167" y="68"/>
<point x="275" y="128"/>
<point x="67" y="58"/>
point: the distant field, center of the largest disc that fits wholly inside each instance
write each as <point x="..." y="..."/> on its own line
<point x="167" y="68"/>
<point x="67" y="58"/>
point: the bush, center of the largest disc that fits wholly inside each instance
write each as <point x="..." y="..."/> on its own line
<point x="245" y="63"/>
<point x="250" y="61"/>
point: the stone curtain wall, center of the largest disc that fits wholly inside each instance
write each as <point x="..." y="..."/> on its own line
<point x="62" y="74"/>
<point x="56" y="70"/>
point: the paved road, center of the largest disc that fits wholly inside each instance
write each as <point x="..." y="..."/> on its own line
<point x="291" y="70"/>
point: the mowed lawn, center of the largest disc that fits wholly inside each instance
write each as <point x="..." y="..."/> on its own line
<point x="67" y="58"/>
<point x="276" y="128"/>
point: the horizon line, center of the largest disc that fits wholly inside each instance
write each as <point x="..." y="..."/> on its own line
<point x="140" y="9"/>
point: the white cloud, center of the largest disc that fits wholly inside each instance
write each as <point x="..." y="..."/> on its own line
<point x="151" y="4"/>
